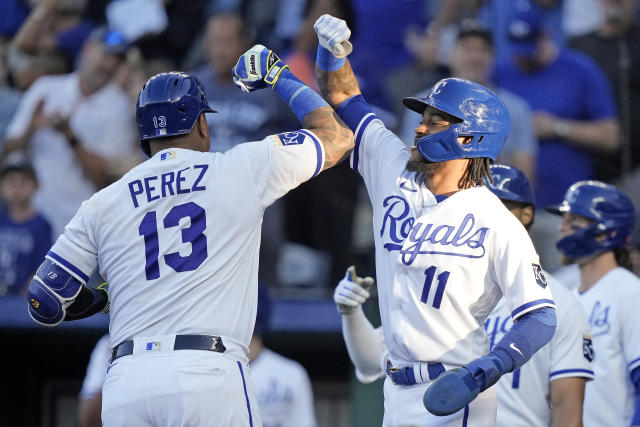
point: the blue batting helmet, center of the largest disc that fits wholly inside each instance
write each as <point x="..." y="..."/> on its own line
<point x="510" y="183"/>
<point x="169" y="104"/>
<point x="483" y="117"/>
<point x="611" y="210"/>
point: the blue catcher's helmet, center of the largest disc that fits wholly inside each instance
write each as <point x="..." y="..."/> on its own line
<point x="483" y="117"/>
<point x="611" y="210"/>
<point x="510" y="183"/>
<point x="169" y="104"/>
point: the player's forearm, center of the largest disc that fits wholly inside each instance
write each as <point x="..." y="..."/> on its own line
<point x="567" y="395"/>
<point x="336" y="85"/>
<point x="316" y="115"/>
<point x="363" y="345"/>
<point x="335" y="135"/>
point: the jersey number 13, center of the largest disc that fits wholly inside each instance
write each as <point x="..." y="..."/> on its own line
<point x="193" y="234"/>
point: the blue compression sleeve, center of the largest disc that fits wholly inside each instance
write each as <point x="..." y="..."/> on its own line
<point x="635" y="379"/>
<point x="300" y="97"/>
<point x="530" y="333"/>
<point x="326" y="61"/>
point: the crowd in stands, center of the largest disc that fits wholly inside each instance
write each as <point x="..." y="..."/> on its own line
<point x="70" y="72"/>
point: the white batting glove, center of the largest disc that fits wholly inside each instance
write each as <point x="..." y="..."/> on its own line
<point x="352" y="291"/>
<point x="333" y="35"/>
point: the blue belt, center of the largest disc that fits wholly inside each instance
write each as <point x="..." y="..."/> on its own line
<point x="414" y="374"/>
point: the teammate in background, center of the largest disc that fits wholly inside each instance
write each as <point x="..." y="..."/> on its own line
<point x="597" y="220"/>
<point x="177" y="238"/>
<point x="25" y="235"/>
<point x="285" y="397"/>
<point x="90" y="398"/>
<point x="547" y="390"/>
<point x="446" y="248"/>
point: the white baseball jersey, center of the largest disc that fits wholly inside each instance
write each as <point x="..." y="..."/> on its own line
<point x="177" y="237"/>
<point x="441" y="266"/>
<point x="285" y="397"/>
<point x="612" y="307"/>
<point x="524" y="395"/>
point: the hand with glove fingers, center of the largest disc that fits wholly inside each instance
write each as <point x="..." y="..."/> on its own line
<point x="352" y="291"/>
<point x="257" y="68"/>
<point x="333" y="35"/>
<point x="456" y="388"/>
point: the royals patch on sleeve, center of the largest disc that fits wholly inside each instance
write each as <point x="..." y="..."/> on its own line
<point x="539" y="275"/>
<point x="587" y="348"/>
<point x="291" y="138"/>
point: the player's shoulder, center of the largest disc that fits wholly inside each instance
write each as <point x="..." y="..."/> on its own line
<point x="622" y="282"/>
<point x="488" y="208"/>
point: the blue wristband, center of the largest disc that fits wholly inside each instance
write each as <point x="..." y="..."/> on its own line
<point x="326" y="61"/>
<point x="300" y="97"/>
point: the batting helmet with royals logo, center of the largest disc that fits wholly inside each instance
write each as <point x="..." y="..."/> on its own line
<point x="168" y="105"/>
<point x="483" y="118"/>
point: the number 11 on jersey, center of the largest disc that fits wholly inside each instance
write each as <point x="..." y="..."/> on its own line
<point x="442" y="282"/>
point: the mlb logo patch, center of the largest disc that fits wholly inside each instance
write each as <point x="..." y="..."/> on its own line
<point x="539" y="275"/>
<point x="153" y="346"/>
<point x="161" y="132"/>
<point x="291" y="138"/>
<point x="168" y="155"/>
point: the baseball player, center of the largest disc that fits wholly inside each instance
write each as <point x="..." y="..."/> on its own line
<point x="549" y="388"/>
<point x="283" y="388"/>
<point x="446" y="247"/>
<point x="177" y="238"/>
<point x="596" y="225"/>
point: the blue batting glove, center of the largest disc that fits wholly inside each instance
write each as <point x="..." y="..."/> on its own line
<point x="257" y="68"/>
<point x="450" y="392"/>
<point x="456" y="388"/>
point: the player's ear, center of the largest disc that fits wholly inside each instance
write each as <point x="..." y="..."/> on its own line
<point x="202" y="126"/>
<point x="527" y="215"/>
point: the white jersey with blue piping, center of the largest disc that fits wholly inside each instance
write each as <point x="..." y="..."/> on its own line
<point x="524" y="398"/>
<point x="178" y="236"/>
<point x="611" y="305"/>
<point x="441" y="265"/>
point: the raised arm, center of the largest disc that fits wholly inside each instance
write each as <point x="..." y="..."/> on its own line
<point x="333" y="71"/>
<point x="260" y="67"/>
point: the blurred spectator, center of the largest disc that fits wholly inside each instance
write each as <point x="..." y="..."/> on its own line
<point x="574" y="116"/>
<point x="615" y="46"/>
<point x="472" y="59"/>
<point x="54" y="26"/>
<point x="285" y="397"/>
<point x="497" y="15"/>
<point x="78" y="130"/>
<point x="240" y="118"/>
<point x="14" y="12"/>
<point x="24" y="69"/>
<point x="186" y="19"/>
<point x="574" y="110"/>
<point x="581" y="16"/>
<point x="25" y="236"/>
<point x="9" y="96"/>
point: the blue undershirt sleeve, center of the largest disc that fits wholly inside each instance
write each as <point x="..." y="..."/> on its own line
<point x="635" y="379"/>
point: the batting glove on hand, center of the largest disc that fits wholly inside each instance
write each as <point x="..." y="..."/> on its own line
<point x="352" y="291"/>
<point x="333" y="35"/>
<point x="257" y="68"/>
<point x="456" y="388"/>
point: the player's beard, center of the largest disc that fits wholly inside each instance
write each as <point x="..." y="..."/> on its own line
<point x="424" y="166"/>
